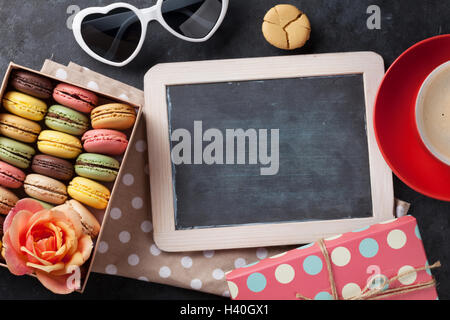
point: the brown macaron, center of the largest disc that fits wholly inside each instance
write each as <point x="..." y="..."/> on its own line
<point x="7" y="200"/>
<point x="32" y="84"/>
<point x="52" y="167"/>
<point x="46" y="189"/>
<point x="89" y="223"/>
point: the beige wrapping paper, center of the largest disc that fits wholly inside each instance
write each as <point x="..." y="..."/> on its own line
<point x="127" y="247"/>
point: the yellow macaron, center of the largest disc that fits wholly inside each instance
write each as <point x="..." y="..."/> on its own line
<point x="24" y="106"/>
<point x="89" y="192"/>
<point x="58" y="144"/>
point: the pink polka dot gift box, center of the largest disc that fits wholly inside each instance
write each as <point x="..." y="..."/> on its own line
<point x="382" y="261"/>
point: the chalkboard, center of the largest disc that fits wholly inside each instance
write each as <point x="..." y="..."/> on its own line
<point x="323" y="158"/>
<point x="264" y="151"/>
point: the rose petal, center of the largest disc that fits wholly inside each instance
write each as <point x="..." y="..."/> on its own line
<point x="57" y="235"/>
<point x="70" y="237"/>
<point x="31" y="254"/>
<point x="76" y="260"/>
<point x="23" y="204"/>
<point x="48" y="269"/>
<point x="17" y="230"/>
<point x="53" y="256"/>
<point x="85" y="245"/>
<point x="45" y="245"/>
<point x="74" y="218"/>
<point x="16" y="262"/>
<point x="56" y="284"/>
<point x="62" y="250"/>
<point x="43" y="217"/>
<point x="30" y="247"/>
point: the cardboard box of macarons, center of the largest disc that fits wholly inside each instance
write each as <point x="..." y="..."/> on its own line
<point x="61" y="150"/>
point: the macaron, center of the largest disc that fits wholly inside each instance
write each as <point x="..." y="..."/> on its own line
<point x="74" y="97"/>
<point x="24" y="106"/>
<point x="66" y="120"/>
<point x="32" y="84"/>
<point x="11" y="177"/>
<point x="105" y="141"/>
<point x="97" y="167"/>
<point x="59" y="144"/>
<point x="113" y="116"/>
<point x="16" y="153"/>
<point x="7" y="200"/>
<point x="89" y="223"/>
<point x="45" y="188"/>
<point x="19" y="128"/>
<point x="286" y="27"/>
<point x="89" y="192"/>
<point x="52" y="167"/>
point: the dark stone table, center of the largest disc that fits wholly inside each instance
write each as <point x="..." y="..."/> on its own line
<point x="33" y="30"/>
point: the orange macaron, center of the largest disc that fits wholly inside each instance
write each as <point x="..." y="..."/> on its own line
<point x="117" y="116"/>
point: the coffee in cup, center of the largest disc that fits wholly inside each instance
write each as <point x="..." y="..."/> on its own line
<point x="433" y="112"/>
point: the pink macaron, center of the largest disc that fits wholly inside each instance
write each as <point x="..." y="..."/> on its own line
<point x="11" y="177"/>
<point x="76" y="98"/>
<point x="105" y="141"/>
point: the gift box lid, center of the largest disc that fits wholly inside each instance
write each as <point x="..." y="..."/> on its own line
<point x="389" y="249"/>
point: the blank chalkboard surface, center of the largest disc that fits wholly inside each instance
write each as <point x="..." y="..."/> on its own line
<point x="264" y="151"/>
<point x="323" y="159"/>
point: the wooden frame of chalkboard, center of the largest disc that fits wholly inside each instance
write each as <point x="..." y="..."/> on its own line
<point x="163" y="197"/>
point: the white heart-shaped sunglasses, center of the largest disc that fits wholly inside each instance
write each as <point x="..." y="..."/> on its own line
<point x="115" y="34"/>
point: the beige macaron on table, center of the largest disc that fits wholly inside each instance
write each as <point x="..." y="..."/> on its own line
<point x="286" y="27"/>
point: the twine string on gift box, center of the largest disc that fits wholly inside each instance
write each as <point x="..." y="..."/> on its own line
<point x="378" y="292"/>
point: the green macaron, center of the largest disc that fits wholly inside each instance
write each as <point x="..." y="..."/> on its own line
<point x="66" y="120"/>
<point x="16" y="153"/>
<point x="97" y="167"/>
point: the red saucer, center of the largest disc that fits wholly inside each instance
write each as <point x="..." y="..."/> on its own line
<point x="394" y="120"/>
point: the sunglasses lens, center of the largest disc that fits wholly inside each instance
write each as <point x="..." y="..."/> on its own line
<point x="114" y="36"/>
<point x="192" y="18"/>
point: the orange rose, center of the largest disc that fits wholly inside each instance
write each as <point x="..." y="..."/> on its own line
<point x="47" y="243"/>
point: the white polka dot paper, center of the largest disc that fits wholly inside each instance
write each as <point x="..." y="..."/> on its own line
<point x="357" y="259"/>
